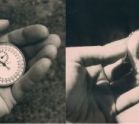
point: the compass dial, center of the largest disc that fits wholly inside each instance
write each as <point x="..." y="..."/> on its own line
<point x="12" y="64"/>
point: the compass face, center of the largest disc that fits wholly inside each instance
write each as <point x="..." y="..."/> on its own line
<point x="12" y="64"/>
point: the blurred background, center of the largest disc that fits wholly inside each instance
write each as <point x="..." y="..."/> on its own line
<point x="46" y="102"/>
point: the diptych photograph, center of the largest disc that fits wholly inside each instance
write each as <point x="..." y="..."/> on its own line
<point x="69" y="61"/>
<point x="102" y="61"/>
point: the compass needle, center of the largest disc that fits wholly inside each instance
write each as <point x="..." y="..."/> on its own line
<point x="13" y="64"/>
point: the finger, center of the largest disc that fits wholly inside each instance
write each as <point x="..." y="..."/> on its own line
<point x="96" y="74"/>
<point x="86" y="56"/>
<point x="103" y="74"/>
<point x="6" y="100"/>
<point x="109" y="73"/>
<point x="129" y="116"/>
<point x="127" y="99"/>
<point x="3" y="25"/>
<point x="52" y="39"/>
<point x="26" y="36"/>
<point x="49" y="51"/>
<point x="35" y="74"/>
<point x="93" y="55"/>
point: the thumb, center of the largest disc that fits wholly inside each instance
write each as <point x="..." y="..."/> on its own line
<point x="3" y="24"/>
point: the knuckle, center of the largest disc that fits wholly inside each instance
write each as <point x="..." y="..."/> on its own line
<point x="54" y="39"/>
<point x="50" y="51"/>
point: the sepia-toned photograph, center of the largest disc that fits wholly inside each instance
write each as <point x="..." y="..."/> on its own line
<point x="69" y="61"/>
<point x="102" y="61"/>
<point x="32" y="61"/>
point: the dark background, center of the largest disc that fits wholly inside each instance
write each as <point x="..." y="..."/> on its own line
<point x="46" y="102"/>
<point x="97" y="22"/>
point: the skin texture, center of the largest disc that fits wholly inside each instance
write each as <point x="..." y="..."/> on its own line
<point x="40" y="49"/>
<point x="102" y="82"/>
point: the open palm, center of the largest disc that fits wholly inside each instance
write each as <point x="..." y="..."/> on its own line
<point x="39" y="48"/>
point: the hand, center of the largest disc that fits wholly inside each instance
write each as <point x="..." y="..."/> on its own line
<point x="100" y="86"/>
<point x="39" y="48"/>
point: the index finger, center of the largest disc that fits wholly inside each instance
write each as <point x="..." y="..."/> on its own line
<point x="26" y="36"/>
<point x="94" y="55"/>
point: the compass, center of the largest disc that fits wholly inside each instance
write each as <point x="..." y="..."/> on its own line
<point x="12" y="64"/>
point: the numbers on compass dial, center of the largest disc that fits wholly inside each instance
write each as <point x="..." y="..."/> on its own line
<point x="12" y="64"/>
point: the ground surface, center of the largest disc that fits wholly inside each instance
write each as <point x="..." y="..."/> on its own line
<point x="46" y="102"/>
